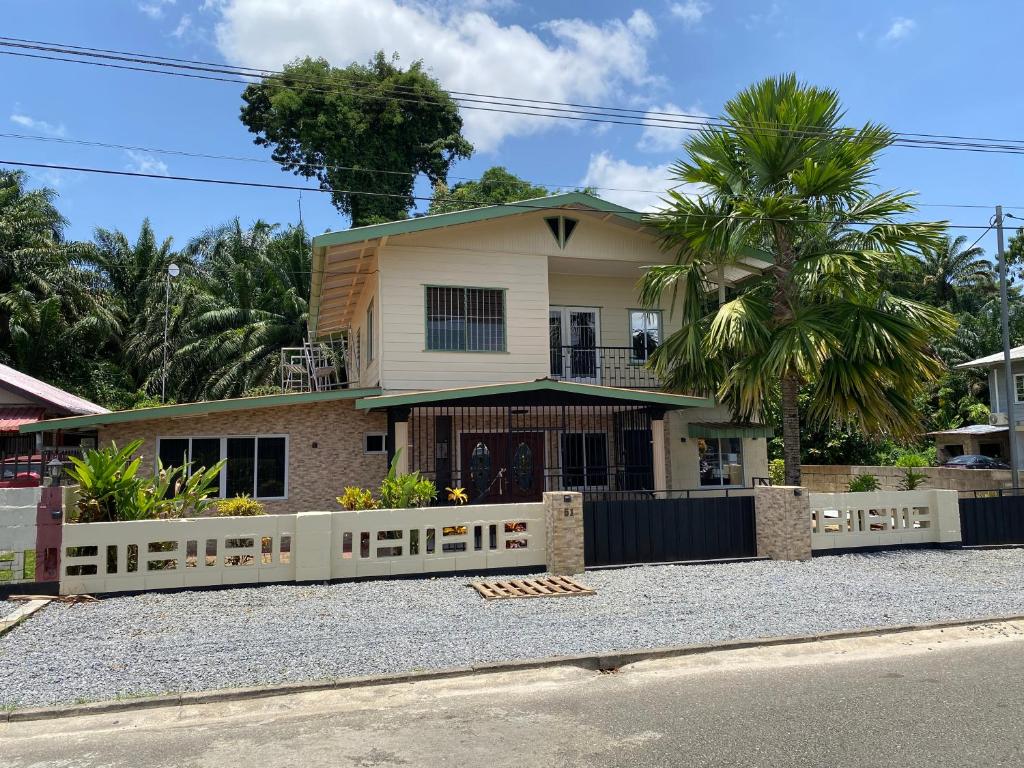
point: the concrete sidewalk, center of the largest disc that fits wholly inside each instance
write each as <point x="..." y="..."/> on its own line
<point x="928" y="698"/>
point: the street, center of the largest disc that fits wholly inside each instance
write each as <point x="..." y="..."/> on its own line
<point x="927" y="698"/>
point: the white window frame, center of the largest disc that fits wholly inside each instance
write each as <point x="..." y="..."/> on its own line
<point x="743" y="464"/>
<point x="1017" y="379"/>
<point x="382" y="435"/>
<point x="586" y="463"/>
<point x="223" y="453"/>
<point x="633" y="359"/>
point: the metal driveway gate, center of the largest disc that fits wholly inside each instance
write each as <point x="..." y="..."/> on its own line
<point x="668" y="530"/>
<point x="992" y="520"/>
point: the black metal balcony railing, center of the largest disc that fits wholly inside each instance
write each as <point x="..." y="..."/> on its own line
<point x="608" y="366"/>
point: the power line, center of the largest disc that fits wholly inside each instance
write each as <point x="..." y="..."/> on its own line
<point x="526" y="205"/>
<point x="644" y="119"/>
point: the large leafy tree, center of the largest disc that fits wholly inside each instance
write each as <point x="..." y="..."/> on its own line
<point x="247" y="298"/>
<point x="952" y="269"/>
<point x="365" y="132"/>
<point x="496" y="185"/>
<point x="783" y="179"/>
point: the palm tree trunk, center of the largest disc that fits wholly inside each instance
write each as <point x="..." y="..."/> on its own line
<point x="791" y="429"/>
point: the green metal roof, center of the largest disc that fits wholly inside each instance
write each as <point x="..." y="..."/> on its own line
<point x="373" y="231"/>
<point x="540" y="385"/>
<point x="197" y="409"/>
<point x="728" y="429"/>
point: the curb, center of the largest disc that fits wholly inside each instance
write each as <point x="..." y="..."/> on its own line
<point x="593" y="661"/>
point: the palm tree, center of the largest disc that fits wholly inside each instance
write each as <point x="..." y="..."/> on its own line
<point x="950" y="268"/>
<point x="248" y="298"/>
<point x="133" y="276"/>
<point x="783" y="180"/>
<point x="50" y="305"/>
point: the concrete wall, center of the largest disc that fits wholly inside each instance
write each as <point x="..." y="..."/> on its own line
<point x="18" y="507"/>
<point x="325" y="446"/>
<point x="883" y="518"/>
<point x="835" y="478"/>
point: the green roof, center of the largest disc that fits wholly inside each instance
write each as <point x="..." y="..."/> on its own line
<point x="197" y="409"/>
<point x="374" y="231"/>
<point x="728" y="429"/>
<point x="594" y="391"/>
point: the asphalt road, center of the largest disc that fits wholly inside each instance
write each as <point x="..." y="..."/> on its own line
<point x="932" y="698"/>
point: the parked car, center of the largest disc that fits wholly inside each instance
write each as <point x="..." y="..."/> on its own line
<point x="974" y="461"/>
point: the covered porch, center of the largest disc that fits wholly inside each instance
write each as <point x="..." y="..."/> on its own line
<point x="511" y="442"/>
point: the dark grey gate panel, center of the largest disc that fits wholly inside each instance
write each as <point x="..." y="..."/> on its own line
<point x="993" y="520"/>
<point x="668" y="530"/>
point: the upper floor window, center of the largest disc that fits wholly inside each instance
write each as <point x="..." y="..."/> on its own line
<point x="465" y="319"/>
<point x="644" y="333"/>
<point x="1018" y="386"/>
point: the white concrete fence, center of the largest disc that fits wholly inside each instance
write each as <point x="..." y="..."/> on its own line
<point x="18" y="534"/>
<point x="883" y="518"/>
<point x="308" y="546"/>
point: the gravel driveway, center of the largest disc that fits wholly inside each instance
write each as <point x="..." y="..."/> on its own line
<point x="190" y="641"/>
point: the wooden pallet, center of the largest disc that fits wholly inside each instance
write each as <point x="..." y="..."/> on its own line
<point x="549" y="586"/>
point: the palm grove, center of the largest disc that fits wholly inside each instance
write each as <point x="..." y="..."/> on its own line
<point x="846" y="343"/>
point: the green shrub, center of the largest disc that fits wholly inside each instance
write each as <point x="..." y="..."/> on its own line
<point x="354" y="499"/>
<point x="913" y="460"/>
<point x="777" y="471"/>
<point x="863" y="483"/>
<point x="912" y="480"/>
<point x="240" y="506"/>
<point x="397" y="491"/>
<point x="111" y="489"/>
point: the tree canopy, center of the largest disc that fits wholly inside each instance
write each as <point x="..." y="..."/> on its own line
<point x="496" y="185"/>
<point x="365" y="132"/>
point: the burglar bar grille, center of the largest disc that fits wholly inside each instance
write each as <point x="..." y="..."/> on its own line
<point x="465" y="319"/>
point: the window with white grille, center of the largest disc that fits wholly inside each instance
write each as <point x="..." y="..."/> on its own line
<point x="465" y="319"/>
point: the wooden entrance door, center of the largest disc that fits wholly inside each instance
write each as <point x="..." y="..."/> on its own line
<point x="499" y="468"/>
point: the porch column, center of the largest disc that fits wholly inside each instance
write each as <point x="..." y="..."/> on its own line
<point x="659" y="457"/>
<point x="398" y="438"/>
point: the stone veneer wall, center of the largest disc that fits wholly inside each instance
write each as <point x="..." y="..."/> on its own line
<point x="783" y="515"/>
<point x="563" y="514"/>
<point x="827" y="478"/>
<point x="325" y="446"/>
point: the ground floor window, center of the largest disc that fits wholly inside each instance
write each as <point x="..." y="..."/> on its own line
<point x="585" y="460"/>
<point x="257" y="465"/>
<point x="721" y="460"/>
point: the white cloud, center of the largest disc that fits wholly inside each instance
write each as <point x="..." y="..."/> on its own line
<point x="656" y="137"/>
<point x="154" y="8"/>
<point x="562" y="60"/>
<point x="639" y="187"/>
<point x="143" y="162"/>
<point x="183" y="26"/>
<point x="899" y="29"/>
<point x="38" y="125"/>
<point x="690" y="12"/>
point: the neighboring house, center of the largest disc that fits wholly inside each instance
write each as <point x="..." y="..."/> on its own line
<point x="25" y="400"/>
<point x="502" y="349"/>
<point x="998" y="436"/>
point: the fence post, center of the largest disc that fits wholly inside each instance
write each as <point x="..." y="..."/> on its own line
<point x="312" y="546"/>
<point x="49" y="519"/>
<point x="563" y="513"/>
<point x="947" y="516"/>
<point x="783" y="522"/>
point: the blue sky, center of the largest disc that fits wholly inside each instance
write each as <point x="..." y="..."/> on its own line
<point x="928" y="66"/>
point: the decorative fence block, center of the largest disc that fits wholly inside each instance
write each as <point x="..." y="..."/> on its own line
<point x="883" y="518"/>
<point x="309" y="546"/>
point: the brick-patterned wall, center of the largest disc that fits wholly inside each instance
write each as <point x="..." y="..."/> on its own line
<point x="315" y="475"/>
<point x="564" y="532"/>
<point x="835" y="478"/>
<point x="783" y="522"/>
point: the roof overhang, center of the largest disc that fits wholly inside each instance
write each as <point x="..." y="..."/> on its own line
<point x="707" y="429"/>
<point x="539" y="393"/>
<point x="198" y="409"/>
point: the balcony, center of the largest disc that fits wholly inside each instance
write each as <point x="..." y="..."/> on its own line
<point x="607" y="366"/>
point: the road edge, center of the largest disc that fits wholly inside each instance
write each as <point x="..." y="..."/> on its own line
<point x="591" y="661"/>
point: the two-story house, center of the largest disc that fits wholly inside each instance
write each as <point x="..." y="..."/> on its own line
<point x="502" y="349"/>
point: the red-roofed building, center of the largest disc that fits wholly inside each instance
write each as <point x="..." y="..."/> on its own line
<point x="27" y="400"/>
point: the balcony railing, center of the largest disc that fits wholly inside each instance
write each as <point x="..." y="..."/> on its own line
<point x="607" y="366"/>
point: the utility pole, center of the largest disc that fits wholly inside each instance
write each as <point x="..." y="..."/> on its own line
<point x="1010" y="388"/>
<point x="172" y="271"/>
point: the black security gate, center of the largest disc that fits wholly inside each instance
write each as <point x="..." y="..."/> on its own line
<point x="992" y="520"/>
<point x="668" y="530"/>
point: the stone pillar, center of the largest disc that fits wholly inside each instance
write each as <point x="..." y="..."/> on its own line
<point x="49" y="516"/>
<point x="783" y="522"/>
<point x="402" y="446"/>
<point x="563" y="512"/>
<point x="659" y="457"/>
